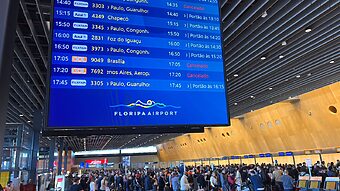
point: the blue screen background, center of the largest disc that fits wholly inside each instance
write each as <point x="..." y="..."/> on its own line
<point x="178" y="80"/>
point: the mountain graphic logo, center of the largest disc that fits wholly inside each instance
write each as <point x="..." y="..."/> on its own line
<point x="149" y="104"/>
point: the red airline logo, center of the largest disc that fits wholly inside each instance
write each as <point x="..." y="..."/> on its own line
<point x="101" y="161"/>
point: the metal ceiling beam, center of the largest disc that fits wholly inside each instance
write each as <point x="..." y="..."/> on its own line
<point x="228" y="8"/>
<point x="21" y="96"/>
<point x="245" y="20"/>
<point x="28" y="87"/>
<point x="24" y="92"/>
<point x="277" y="36"/>
<point x="43" y="23"/>
<point x="16" y="98"/>
<point x="261" y="25"/>
<point x="238" y="11"/>
<point x="263" y="87"/>
<point x="294" y="45"/>
<point x="30" y="56"/>
<point x="33" y="31"/>
<point x="19" y="111"/>
<point x="291" y="58"/>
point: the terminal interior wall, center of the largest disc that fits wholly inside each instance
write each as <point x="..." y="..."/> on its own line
<point x="307" y="124"/>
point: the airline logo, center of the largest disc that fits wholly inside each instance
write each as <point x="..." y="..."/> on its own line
<point x="82" y="59"/>
<point x="81" y="4"/>
<point x="78" y="70"/>
<point x="80" y="25"/>
<point x="79" y="36"/>
<point x="78" y="82"/>
<point x="79" y="48"/>
<point x="82" y="15"/>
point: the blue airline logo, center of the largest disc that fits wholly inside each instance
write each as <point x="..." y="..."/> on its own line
<point x="81" y="4"/>
<point x="75" y="82"/>
<point x="82" y="15"/>
<point x="79" y="48"/>
<point x="76" y="36"/>
<point x="80" y="25"/>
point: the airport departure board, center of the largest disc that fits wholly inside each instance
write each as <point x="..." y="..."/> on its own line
<point x="131" y="63"/>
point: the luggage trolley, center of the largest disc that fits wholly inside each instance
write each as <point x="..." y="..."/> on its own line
<point x="332" y="184"/>
<point x="302" y="183"/>
<point x="315" y="183"/>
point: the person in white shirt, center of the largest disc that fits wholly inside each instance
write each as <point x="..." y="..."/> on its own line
<point x="92" y="185"/>
<point x="185" y="186"/>
<point x="213" y="181"/>
<point x="103" y="185"/>
<point x="238" y="180"/>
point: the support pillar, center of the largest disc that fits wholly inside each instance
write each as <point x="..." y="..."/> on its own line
<point x="60" y="157"/>
<point x="51" y="155"/>
<point x="65" y="158"/>
<point x="8" y="23"/>
<point x="37" y="127"/>
<point x="18" y="151"/>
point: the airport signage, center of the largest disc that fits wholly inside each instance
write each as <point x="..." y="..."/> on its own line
<point x="154" y="63"/>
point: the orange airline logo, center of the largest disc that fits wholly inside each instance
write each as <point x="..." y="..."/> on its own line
<point x="78" y="70"/>
<point x="79" y="59"/>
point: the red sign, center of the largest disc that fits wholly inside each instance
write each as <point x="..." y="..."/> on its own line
<point x="101" y="161"/>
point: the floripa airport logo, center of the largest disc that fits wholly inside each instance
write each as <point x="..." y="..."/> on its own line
<point x="140" y="108"/>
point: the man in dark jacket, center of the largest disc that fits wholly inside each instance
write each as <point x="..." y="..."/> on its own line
<point x="147" y="183"/>
<point x="256" y="180"/>
<point x="161" y="182"/>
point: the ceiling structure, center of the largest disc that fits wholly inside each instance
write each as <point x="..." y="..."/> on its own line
<point x="274" y="49"/>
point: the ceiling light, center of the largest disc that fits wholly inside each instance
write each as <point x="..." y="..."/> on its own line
<point x="264" y="14"/>
<point x="281" y="56"/>
<point x="298" y="76"/>
<point x="263" y="58"/>
<point x="332" y="62"/>
<point x="309" y="74"/>
<point x="21" y="115"/>
<point x="270" y="88"/>
<point x="235" y="103"/>
<point x="308" y="30"/>
<point x="28" y="121"/>
<point x="252" y="97"/>
<point x="284" y="43"/>
<point x="235" y="75"/>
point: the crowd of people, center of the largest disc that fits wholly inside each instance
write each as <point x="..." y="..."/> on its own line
<point x="264" y="177"/>
<point x="214" y="178"/>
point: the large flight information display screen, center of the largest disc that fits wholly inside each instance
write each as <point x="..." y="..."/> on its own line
<point x="134" y="63"/>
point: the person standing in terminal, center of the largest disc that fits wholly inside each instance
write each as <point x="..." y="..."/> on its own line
<point x="256" y="180"/>
<point x="92" y="185"/>
<point x="277" y="175"/>
<point x="98" y="181"/>
<point x="287" y="181"/>
<point x="147" y="182"/>
<point x="185" y="186"/>
<point x="76" y="186"/>
<point x="222" y="178"/>
<point x="175" y="182"/>
<point x="213" y="182"/>
<point x="238" y="180"/>
<point x="161" y="182"/>
<point x="103" y="184"/>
